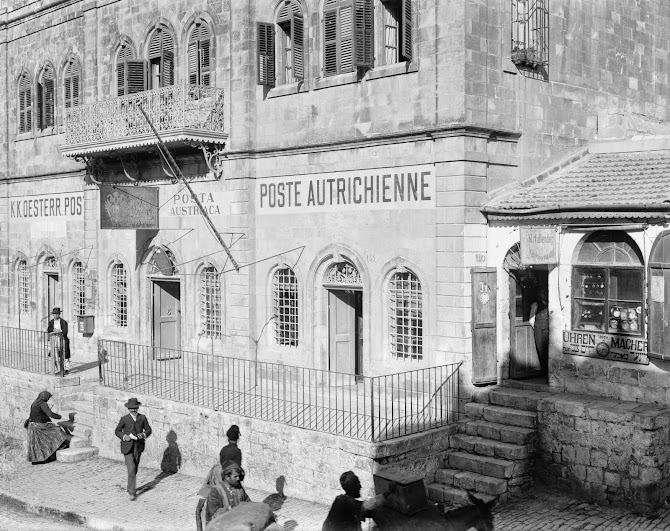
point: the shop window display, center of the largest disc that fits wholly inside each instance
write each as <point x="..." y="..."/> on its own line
<point x="608" y="292"/>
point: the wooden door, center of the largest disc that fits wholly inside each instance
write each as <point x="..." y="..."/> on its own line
<point x="166" y="319"/>
<point x="53" y="293"/>
<point x="524" y="361"/>
<point x="484" y="331"/>
<point x="342" y="330"/>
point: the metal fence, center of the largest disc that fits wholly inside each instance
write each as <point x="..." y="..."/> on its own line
<point x="361" y="407"/>
<point x="26" y="350"/>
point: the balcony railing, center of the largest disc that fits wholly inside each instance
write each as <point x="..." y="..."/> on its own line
<point x="361" y="407"/>
<point x="174" y="109"/>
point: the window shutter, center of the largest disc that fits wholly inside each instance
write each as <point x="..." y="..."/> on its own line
<point x="40" y="106"/>
<point x="75" y="89"/>
<point x="266" y="54"/>
<point x="136" y="76"/>
<point x="330" y="60"/>
<point x="406" y="50"/>
<point x="71" y="85"/>
<point x="297" y="27"/>
<point x="121" y="78"/>
<point x="22" y="111"/>
<point x="193" y="60"/>
<point x="346" y="38"/>
<point x="25" y="106"/>
<point x="49" y="102"/>
<point x="204" y="62"/>
<point x="155" y="44"/>
<point x="363" y="29"/>
<point x="167" y="70"/>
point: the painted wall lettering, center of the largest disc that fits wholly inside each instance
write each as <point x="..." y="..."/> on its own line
<point x="47" y="206"/>
<point x="404" y="187"/>
<point x="184" y="205"/>
<point x="605" y="346"/>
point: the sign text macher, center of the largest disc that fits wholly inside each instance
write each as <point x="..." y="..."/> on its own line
<point x="605" y="346"/>
<point x="128" y="207"/>
<point x="65" y="205"/>
<point x="376" y="189"/>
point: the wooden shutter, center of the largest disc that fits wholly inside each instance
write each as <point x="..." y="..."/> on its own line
<point x="406" y="22"/>
<point x="25" y="106"/>
<point x="40" y="106"/>
<point x="298" y="30"/>
<point x="330" y="42"/>
<point x="49" y="103"/>
<point x="71" y="85"/>
<point x="136" y="76"/>
<point x="125" y="53"/>
<point x="266" y="54"/>
<point x="161" y="47"/>
<point x="204" y="47"/>
<point x="363" y="33"/>
<point x="484" y="331"/>
<point x="167" y="69"/>
<point x="193" y="59"/>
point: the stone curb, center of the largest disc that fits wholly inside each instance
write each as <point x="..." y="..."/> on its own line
<point x="41" y="510"/>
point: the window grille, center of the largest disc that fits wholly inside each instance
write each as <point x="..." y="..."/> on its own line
<point x="406" y="321"/>
<point x="120" y="296"/>
<point x="530" y="32"/>
<point x="24" y="287"/>
<point x="25" y="105"/>
<point x="78" y="289"/>
<point x="285" y="294"/>
<point x="210" y="303"/>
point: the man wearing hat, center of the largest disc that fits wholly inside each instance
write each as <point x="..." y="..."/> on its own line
<point x="231" y="451"/>
<point x="58" y="340"/>
<point x="133" y="429"/>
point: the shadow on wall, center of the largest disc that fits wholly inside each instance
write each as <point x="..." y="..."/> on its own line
<point x="276" y="500"/>
<point x="171" y="462"/>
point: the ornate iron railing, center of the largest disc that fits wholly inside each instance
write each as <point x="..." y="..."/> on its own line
<point x="361" y="407"/>
<point x="26" y="350"/>
<point x="172" y="108"/>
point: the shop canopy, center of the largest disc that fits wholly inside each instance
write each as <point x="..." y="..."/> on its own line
<point x="622" y="180"/>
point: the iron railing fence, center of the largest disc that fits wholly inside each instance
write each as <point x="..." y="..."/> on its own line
<point x="361" y="407"/>
<point x="26" y="350"/>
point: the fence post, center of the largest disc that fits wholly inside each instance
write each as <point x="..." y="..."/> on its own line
<point x="372" y="409"/>
<point x="125" y="365"/>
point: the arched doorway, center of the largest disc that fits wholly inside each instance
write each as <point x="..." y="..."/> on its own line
<point x="528" y="314"/>
<point x="165" y="285"/>
<point x="345" y="318"/>
<point x="52" y="283"/>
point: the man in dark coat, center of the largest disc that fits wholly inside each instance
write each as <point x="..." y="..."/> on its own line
<point x="231" y="451"/>
<point x="347" y="511"/>
<point x="59" y="341"/>
<point x="133" y="429"/>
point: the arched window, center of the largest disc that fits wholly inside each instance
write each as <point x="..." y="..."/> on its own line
<point x="119" y="296"/>
<point x="397" y="26"/>
<point x="659" y="295"/>
<point x="406" y="316"/>
<point x="285" y="303"/>
<point x="210" y="303"/>
<point x="25" y="105"/>
<point x="131" y="74"/>
<point x="78" y="289"/>
<point x="608" y="285"/>
<point x="290" y="55"/>
<point x="347" y="35"/>
<point x="199" y="51"/>
<point x="161" y="59"/>
<point x="23" y="277"/>
<point x="45" y="98"/>
<point x="71" y="84"/>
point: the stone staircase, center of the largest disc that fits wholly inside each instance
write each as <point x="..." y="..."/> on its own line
<point x="80" y="422"/>
<point x="492" y="454"/>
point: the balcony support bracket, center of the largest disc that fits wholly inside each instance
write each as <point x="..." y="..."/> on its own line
<point x="130" y="168"/>
<point x="94" y="167"/>
<point x="214" y="157"/>
<point x="166" y="169"/>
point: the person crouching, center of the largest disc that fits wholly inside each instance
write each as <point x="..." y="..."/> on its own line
<point x="229" y="492"/>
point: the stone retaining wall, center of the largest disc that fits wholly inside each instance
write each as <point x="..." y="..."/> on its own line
<point x="308" y="463"/>
<point x="606" y="451"/>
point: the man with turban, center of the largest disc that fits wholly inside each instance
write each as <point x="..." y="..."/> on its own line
<point x="229" y="493"/>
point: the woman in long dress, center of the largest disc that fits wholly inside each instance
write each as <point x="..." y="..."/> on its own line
<point x="44" y="437"/>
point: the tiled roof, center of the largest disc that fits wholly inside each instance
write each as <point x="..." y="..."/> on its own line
<point x="635" y="181"/>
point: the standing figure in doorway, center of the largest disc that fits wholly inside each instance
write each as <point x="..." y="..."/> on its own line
<point x="133" y="429"/>
<point x="539" y="321"/>
<point x="59" y="342"/>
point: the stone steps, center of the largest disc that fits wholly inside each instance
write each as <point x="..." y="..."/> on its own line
<point x="456" y="496"/>
<point x="80" y="421"/>
<point x="72" y="455"/>
<point x="502" y="415"/>
<point x="471" y="481"/>
<point x="475" y="444"/>
<point x="500" y="432"/>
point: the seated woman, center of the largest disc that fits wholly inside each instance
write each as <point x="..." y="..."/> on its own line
<point x="44" y="438"/>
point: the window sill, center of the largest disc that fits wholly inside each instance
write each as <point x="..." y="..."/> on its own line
<point x="286" y="90"/>
<point x="24" y="136"/>
<point x="663" y="357"/>
<point x="395" y="69"/>
<point x="46" y="132"/>
<point x="336" y="81"/>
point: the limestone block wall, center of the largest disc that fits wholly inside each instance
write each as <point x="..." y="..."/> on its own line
<point x="605" y="451"/>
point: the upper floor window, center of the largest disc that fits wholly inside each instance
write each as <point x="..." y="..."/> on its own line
<point x="608" y="285"/>
<point x="406" y="316"/>
<point x="161" y="59"/>
<point x="131" y="74"/>
<point x="397" y="20"/>
<point x="281" y="50"/>
<point x="119" y="296"/>
<point x="23" y="274"/>
<point x="285" y="302"/>
<point x="25" y="105"/>
<point x="71" y="84"/>
<point x="45" y="98"/>
<point x="347" y="35"/>
<point x="210" y="302"/>
<point x="78" y="289"/>
<point x="530" y="32"/>
<point x="199" y="49"/>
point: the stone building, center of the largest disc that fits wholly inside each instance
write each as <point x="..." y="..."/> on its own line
<point x="361" y="160"/>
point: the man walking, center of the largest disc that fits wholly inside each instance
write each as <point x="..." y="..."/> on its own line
<point x="133" y="429"/>
<point x="59" y="343"/>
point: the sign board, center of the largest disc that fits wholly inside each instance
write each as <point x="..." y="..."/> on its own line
<point x="128" y="207"/>
<point x="402" y="187"/>
<point x="605" y="346"/>
<point x="538" y="245"/>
